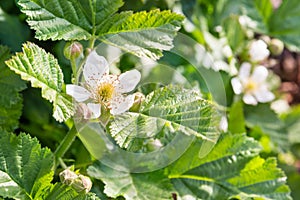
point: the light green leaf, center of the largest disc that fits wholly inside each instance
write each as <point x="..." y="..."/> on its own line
<point x="25" y="167"/>
<point x="266" y="119"/>
<point x="164" y="113"/>
<point x="42" y="70"/>
<point x="142" y="33"/>
<point x="236" y="121"/>
<point x="145" y="186"/>
<point x="10" y="100"/>
<point x="292" y="123"/>
<point x="64" y="192"/>
<point x="284" y="24"/>
<point x="232" y="169"/>
<point x="234" y="33"/>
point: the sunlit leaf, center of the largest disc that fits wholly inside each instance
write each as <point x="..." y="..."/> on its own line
<point x="142" y="33"/>
<point x="42" y="70"/>
<point x="164" y="113"/>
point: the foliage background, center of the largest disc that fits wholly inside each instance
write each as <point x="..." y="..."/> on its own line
<point x="37" y="120"/>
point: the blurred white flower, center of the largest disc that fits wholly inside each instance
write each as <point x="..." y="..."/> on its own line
<point x="253" y="86"/>
<point x="258" y="51"/>
<point x="102" y="89"/>
<point x="280" y="106"/>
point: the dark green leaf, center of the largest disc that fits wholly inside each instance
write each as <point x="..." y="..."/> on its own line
<point x="10" y="100"/>
<point x="284" y="24"/>
<point x="12" y="32"/>
<point x="25" y="167"/>
<point x="262" y="116"/>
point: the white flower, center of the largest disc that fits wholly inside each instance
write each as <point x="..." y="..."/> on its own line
<point x="253" y="86"/>
<point x="102" y="89"/>
<point x="258" y="51"/>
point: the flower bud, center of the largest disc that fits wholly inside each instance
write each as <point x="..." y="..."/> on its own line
<point x="67" y="176"/>
<point x="138" y="99"/>
<point x="276" y="46"/>
<point x="258" y="51"/>
<point x="72" y="50"/>
<point x="82" y="184"/>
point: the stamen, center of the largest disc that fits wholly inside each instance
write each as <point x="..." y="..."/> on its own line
<point x="105" y="92"/>
<point x="250" y="86"/>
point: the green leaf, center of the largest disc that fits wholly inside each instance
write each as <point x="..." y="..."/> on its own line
<point x="142" y="33"/>
<point x="292" y="124"/>
<point x="266" y="119"/>
<point x="25" y="167"/>
<point x="234" y="33"/>
<point x="57" y="19"/>
<point x="284" y="24"/>
<point x="259" y="12"/>
<point x="164" y="113"/>
<point x="232" y="169"/>
<point x="64" y="192"/>
<point x="10" y="100"/>
<point x="67" y="20"/>
<point x="145" y="186"/>
<point x="12" y="32"/>
<point x="42" y="70"/>
<point x="236" y="121"/>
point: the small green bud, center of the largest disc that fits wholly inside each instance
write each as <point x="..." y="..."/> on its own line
<point x="138" y="99"/>
<point x="67" y="176"/>
<point x="72" y="50"/>
<point x="82" y="184"/>
<point x="276" y="46"/>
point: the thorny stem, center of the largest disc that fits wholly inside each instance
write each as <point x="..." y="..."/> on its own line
<point x="65" y="145"/>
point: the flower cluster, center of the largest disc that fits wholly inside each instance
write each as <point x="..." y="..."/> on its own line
<point x="102" y="89"/>
<point x="253" y="83"/>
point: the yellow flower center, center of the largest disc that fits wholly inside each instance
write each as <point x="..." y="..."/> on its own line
<point x="105" y="92"/>
<point x="250" y="86"/>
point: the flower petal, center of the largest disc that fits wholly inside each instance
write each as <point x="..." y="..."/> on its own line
<point x="95" y="108"/>
<point x="95" y="67"/>
<point x="249" y="99"/>
<point x="244" y="72"/>
<point x="259" y="74"/>
<point x="120" y="104"/>
<point x="79" y="93"/>
<point x="236" y="85"/>
<point x="128" y="81"/>
<point x="263" y="95"/>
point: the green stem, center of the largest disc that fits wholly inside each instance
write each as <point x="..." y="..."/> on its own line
<point x="65" y="144"/>
<point x="74" y="67"/>
<point x="92" y="43"/>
